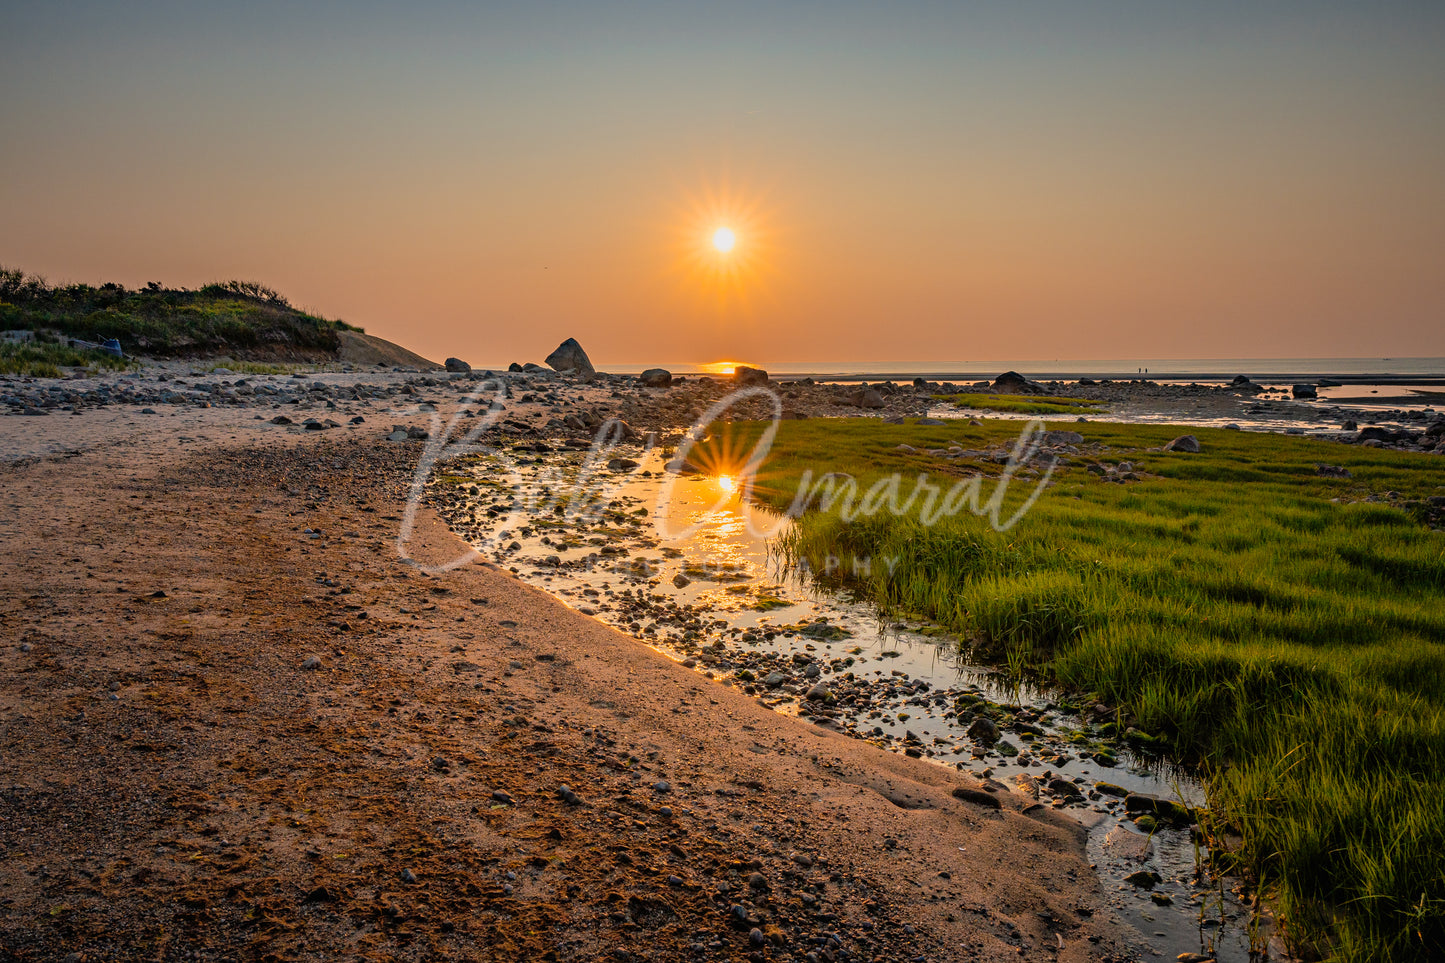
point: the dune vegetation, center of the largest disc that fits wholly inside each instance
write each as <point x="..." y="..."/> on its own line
<point x="240" y="318"/>
<point x="1268" y="609"/>
<point x="45" y="359"/>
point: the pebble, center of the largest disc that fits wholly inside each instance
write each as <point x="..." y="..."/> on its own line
<point x="311" y="663"/>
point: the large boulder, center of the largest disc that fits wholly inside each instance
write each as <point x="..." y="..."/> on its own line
<point x="1243" y="383"/>
<point x="744" y="375"/>
<point x="458" y="365"/>
<point x="1013" y="383"/>
<point x="656" y="378"/>
<point x="1383" y="434"/>
<point x="1304" y="391"/>
<point x="570" y="358"/>
<point x="1187" y="443"/>
<point x="1063" y="438"/>
<point x="867" y="398"/>
<point x="515" y="366"/>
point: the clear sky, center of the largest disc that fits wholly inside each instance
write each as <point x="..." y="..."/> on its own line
<point x="906" y="181"/>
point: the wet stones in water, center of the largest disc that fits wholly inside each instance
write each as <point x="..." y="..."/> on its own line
<point x="1144" y="879"/>
<point x="1154" y="806"/>
<point x="1062" y="787"/>
<point x="983" y="730"/>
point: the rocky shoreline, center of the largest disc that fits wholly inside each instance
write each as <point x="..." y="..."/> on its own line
<point x="547" y="403"/>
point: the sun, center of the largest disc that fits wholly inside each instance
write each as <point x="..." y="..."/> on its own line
<point x="723" y="239"/>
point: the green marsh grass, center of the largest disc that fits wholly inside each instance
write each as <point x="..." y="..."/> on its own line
<point x="1269" y="624"/>
<point x="1023" y="404"/>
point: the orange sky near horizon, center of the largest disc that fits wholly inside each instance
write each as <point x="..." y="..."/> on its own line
<point x="924" y="183"/>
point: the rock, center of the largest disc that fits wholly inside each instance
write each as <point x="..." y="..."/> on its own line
<point x="1333" y="471"/>
<point x="1144" y="879"/>
<point x="407" y="876"/>
<point x="1110" y="789"/>
<point x="756" y="937"/>
<point x="1350" y="425"/>
<point x="983" y="730"/>
<point x="907" y="449"/>
<point x="621" y="464"/>
<point x="867" y="398"/>
<point x="1063" y="438"/>
<point x="1377" y="433"/>
<point x="502" y="797"/>
<point x="757" y="881"/>
<point x="281" y="420"/>
<point x="515" y="368"/>
<point x="1185" y="443"/>
<point x="1304" y="391"/>
<point x="569" y="357"/>
<point x="743" y="375"/>
<point x="1139" y="802"/>
<point x="397" y="435"/>
<point x="457" y="364"/>
<point x="662" y="785"/>
<point x="357" y="420"/>
<point x="656" y="378"/>
<point x="819" y="693"/>
<point x="931" y="422"/>
<point x="775" y="679"/>
<point x="1063" y="787"/>
<point x="568" y="796"/>
<point x="1123" y="843"/>
<point x="977" y="796"/>
<point x="311" y="663"/>
<point x="1013" y="383"/>
<point x="531" y="367"/>
<point x="681" y="580"/>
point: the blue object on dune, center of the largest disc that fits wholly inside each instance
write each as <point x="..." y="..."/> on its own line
<point x="112" y="346"/>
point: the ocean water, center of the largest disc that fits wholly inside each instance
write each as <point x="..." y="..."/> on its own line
<point x="1396" y="370"/>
